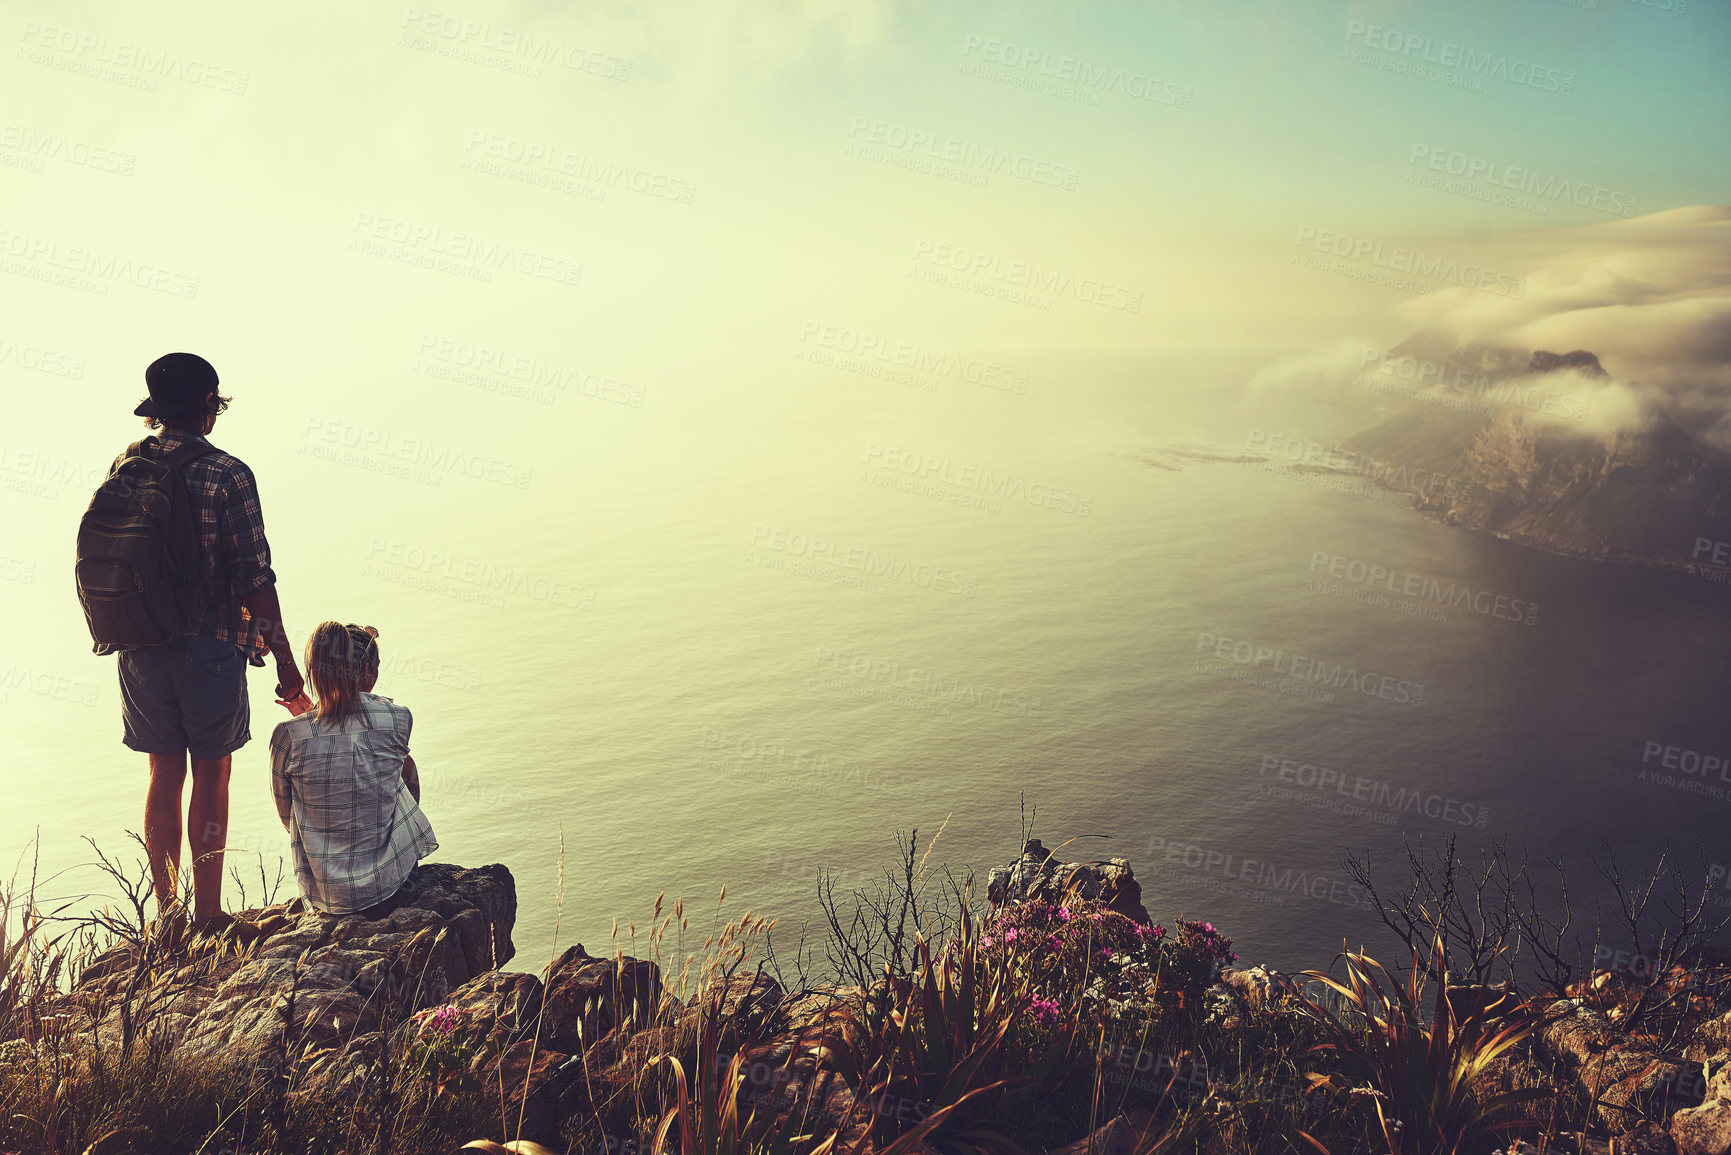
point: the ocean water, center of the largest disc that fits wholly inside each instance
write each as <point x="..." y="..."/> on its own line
<point x="638" y="675"/>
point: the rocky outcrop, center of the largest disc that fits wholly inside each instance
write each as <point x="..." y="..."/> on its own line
<point x="335" y="1002"/>
<point x="1627" y="1082"/>
<point x="588" y="998"/>
<point x="1540" y="468"/>
<point x="287" y="978"/>
<point x="1581" y="361"/>
<point x="1040" y="877"/>
<point x="284" y="988"/>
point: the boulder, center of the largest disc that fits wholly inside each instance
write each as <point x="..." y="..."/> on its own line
<point x="1573" y="1033"/>
<point x="1037" y="875"/>
<point x="1711" y="1042"/>
<point x="1628" y="1083"/>
<point x="1703" y="1130"/>
<point x="587" y="998"/>
<point x="1258" y="987"/>
<point x="604" y="1081"/>
<point x="286" y="979"/>
<point x="806" y="1013"/>
<point x="1633" y="1087"/>
<point x="1646" y="1138"/>
<point x="1706" y="1129"/>
<point x="1224" y="1008"/>
<point x="1518" y="1070"/>
<point x="502" y="1005"/>
<point x="529" y="1080"/>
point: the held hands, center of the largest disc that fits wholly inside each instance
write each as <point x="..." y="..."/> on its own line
<point x="289" y="683"/>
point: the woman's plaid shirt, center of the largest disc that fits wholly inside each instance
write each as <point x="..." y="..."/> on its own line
<point x="230" y="539"/>
<point x="356" y="830"/>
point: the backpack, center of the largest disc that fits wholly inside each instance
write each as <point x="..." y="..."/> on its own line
<point x="139" y="569"/>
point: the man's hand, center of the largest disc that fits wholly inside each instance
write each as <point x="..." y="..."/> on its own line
<point x="288" y="678"/>
<point x="265" y="610"/>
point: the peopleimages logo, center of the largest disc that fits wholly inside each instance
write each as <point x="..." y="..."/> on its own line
<point x="1424" y="588"/>
<point x="1417" y="374"/>
<point x="41" y="360"/>
<point x="532" y="371"/>
<point x="914" y="356"/>
<point x="508" y="42"/>
<point x="558" y="161"/>
<point x="792" y="543"/>
<point x="1005" y="486"/>
<point x="1398" y="258"/>
<point x="1307" y="669"/>
<point x="1718" y="552"/>
<point x="391" y="447"/>
<point x="60" y="687"/>
<point x="413" y="559"/>
<point x="1693" y="763"/>
<point x="92" y="52"/>
<point x="1277" y="881"/>
<point x="850" y="772"/>
<point x="918" y="679"/>
<point x="44" y="146"/>
<point x="1411" y="46"/>
<point x="967" y="153"/>
<point x="1394" y="474"/>
<point x="1498" y="174"/>
<point x="1023" y="275"/>
<point x="429" y="242"/>
<point x="1090" y="78"/>
<point x="1323" y="780"/>
<point x="93" y="262"/>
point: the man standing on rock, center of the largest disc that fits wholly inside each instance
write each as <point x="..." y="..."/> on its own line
<point x="174" y="574"/>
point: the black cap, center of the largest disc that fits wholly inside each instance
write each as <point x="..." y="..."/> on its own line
<point x="179" y="383"/>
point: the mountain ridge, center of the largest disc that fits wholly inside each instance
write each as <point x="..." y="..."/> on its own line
<point x="1645" y="496"/>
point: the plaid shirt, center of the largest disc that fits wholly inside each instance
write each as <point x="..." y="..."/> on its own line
<point x="230" y="538"/>
<point x="357" y="831"/>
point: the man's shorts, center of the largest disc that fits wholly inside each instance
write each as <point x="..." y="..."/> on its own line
<point x="188" y="694"/>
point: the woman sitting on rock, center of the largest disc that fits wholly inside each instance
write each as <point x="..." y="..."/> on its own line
<point x="345" y="785"/>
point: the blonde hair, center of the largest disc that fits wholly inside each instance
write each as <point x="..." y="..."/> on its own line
<point x="338" y="658"/>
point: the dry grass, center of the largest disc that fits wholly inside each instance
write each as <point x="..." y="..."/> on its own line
<point x="711" y="1068"/>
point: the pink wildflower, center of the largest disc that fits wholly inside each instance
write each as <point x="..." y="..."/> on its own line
<point x="443" y="1020"/>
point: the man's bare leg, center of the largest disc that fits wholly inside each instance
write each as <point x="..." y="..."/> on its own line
<point x="208" y="834"/>
<point x="162" y="825"/>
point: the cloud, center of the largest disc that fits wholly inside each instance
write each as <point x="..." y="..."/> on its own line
<point x="1312" y="373"/>
<point x="1650" y="296"/>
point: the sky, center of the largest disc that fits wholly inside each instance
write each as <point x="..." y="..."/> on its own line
<point x="1266" y="124"/>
